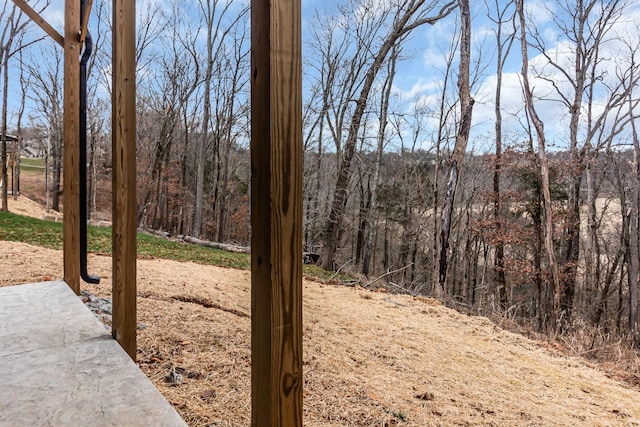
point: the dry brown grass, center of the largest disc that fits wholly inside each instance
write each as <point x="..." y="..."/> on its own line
<point x="370" y="358"/>
<point x="611" y="353"/>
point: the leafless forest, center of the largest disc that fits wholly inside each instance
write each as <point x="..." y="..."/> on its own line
<point x="494" y="206"/>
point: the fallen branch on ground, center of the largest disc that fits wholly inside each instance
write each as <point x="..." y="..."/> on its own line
<point x="216" y="245"/>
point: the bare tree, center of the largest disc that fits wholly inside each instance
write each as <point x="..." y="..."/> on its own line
<point x="343" y="49"/>
<point x="231" y="118"/>
<point x="215" y="14"/>
<point x="444" y="115"/>
<point x="166" y="96"/>
<point x="335" y="69"/>
<point x="98" y="108"/>
<point x="586" y="25"/>
<point x="634" y="217"/>
<point x="407" y="16"/>
<point x="45" y="69"/>
<point x="504" y="15"/>
<point x="14" y="23"/>
<point x="544" y="164"/>
<point x="462" y="137"/>
<point x="24" y="87"/>
<point x="371" y="213"/>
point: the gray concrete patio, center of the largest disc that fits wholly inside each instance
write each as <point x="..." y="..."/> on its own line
<point x="61" y="367"/>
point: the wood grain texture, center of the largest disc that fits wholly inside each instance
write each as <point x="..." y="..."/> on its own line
<point x="71" y="148"/>
<point x="276" y="213"/>
<point x="124" y="176"/>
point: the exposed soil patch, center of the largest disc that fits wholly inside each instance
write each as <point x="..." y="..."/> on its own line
<point x="370" y="359"/>
<point x="32" y="185"/>
<point x="27" y="207"/>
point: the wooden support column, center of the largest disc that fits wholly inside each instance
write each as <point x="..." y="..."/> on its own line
<point x="71" y="147"/>
<point x="276" y="213"/>
<point x="124" y="175"/>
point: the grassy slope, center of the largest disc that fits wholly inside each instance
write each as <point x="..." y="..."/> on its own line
<point x="31" y="165"/>
<point x="47" y="234"/>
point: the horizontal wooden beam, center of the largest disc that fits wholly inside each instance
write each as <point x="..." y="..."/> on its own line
<point x="35" y="17"/>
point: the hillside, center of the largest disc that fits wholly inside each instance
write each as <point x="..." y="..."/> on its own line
<point x="370" y="358"/>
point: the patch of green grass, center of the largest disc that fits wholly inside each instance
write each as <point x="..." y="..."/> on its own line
<point x="154" y="247"/>
<point x="30" y="165"/>
<point x="37" y="232"/>
<point x="49" y="235"/>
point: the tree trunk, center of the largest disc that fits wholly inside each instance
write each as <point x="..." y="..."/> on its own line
<point x="634" y="241"/>
<point x="57" y="170"/>
<point x="385" y="252"/>
<point x="576" y="168"/>
<point x="541" y="288"/>
<point x="606" y="289"/>
<point x="201" y="150"/>
<point x="231" y="112"/>
<point x="147" y="215"/>
<point x="16" y="166"/>
<point x="462" y="137"/>
<point x="365" y="205"/>
<point x="503" y="48"/>
<point x="544" y="169"/>
<point x="5" y="100"/>
<point x="590" y="282"/>
<point x="92" y="185"/>
<point x="47" y="173"/>
<point x="372" y="211"/>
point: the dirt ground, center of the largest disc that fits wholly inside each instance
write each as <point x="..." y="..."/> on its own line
<point x="370" y="358"/>
<point x="27" y="207"/>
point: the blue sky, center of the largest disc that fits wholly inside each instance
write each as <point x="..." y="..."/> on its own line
<point x="420" y="77"/>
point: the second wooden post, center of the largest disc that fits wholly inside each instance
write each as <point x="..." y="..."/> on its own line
<point x="124" y="175"/>
<point x="276" y="213"/>
<point x="71" y="119"/>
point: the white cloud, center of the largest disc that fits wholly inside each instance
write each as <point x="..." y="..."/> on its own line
<point x="434" y="59"/>
<point x="419" y="88"/>
<point x="540" y="12"/>
<point x="53" y="14"/>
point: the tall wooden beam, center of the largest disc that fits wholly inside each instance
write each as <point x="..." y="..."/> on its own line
<point x="71" y="177"/>
<point x="276" y="213"/>
<point x="124" y="175"/>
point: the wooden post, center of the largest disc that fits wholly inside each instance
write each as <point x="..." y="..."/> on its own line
<point x="124" y="175"/>
<point x="276" y="213"/>
<point x="71" y="118"/>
